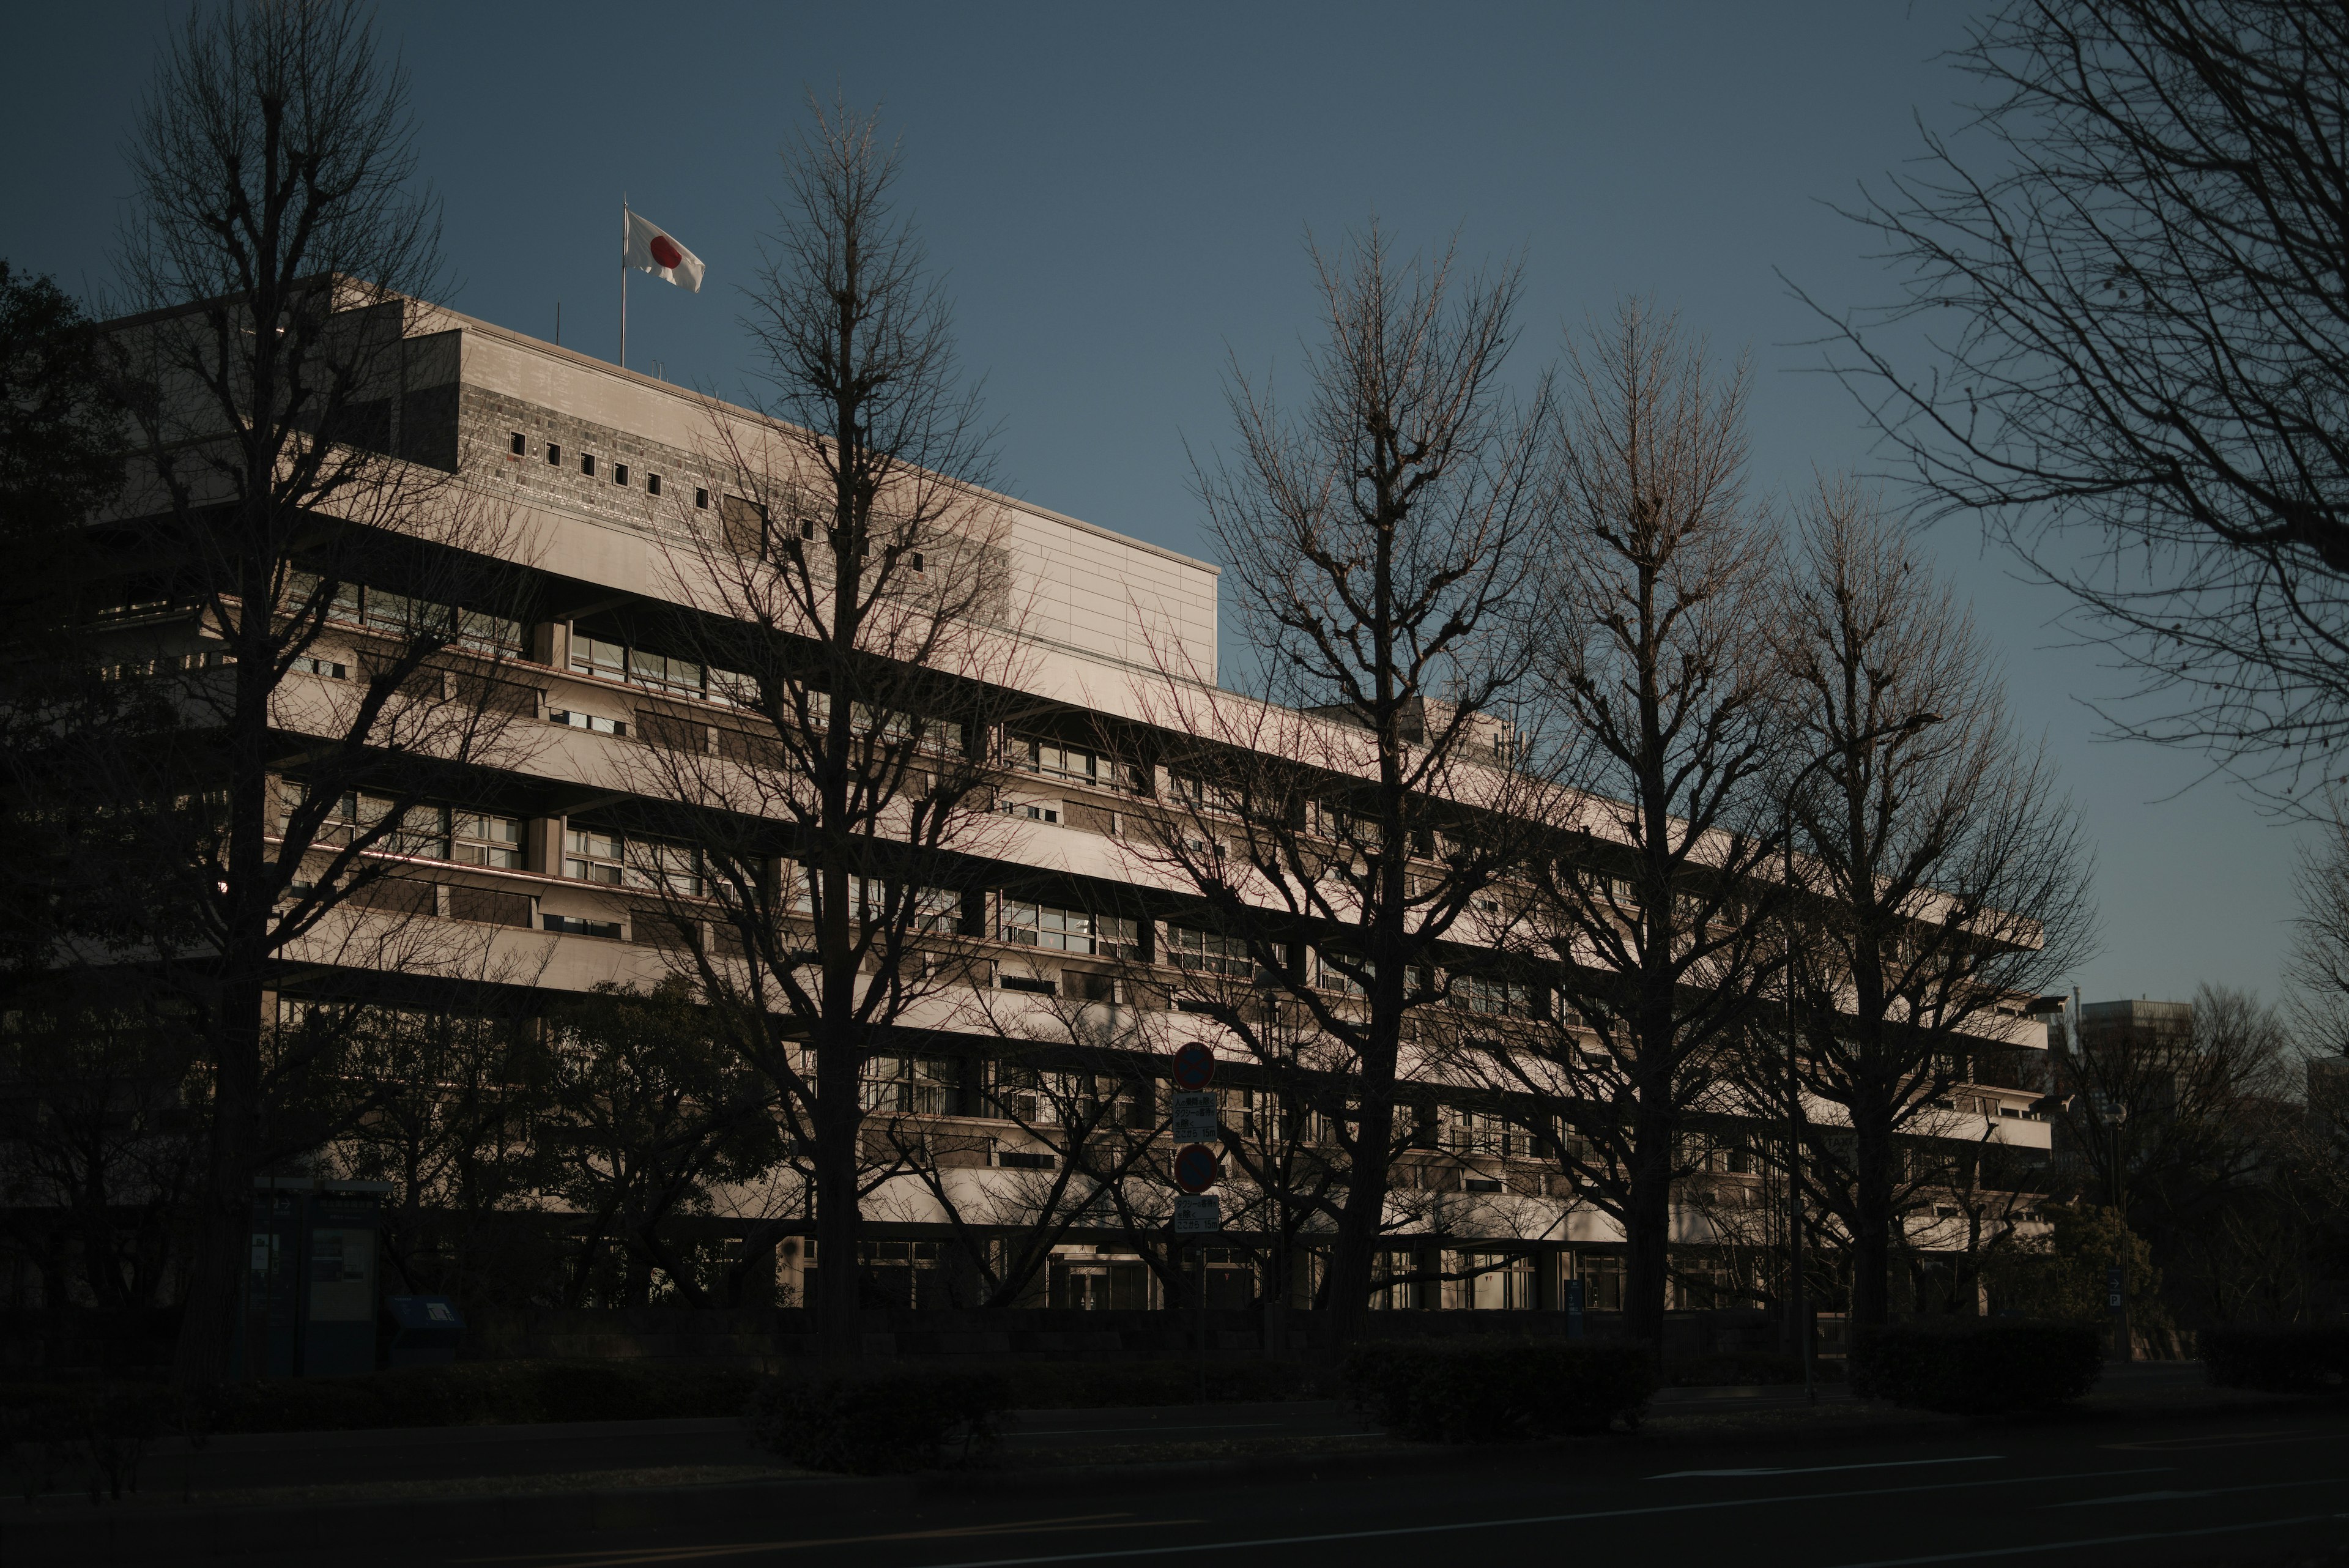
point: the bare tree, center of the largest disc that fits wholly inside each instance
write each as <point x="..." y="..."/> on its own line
<point x="1940" y="870"/>
<point x="860" y="619"/>
<point x="2160" y="1120"/>
<point x="1649" y="906"/>
<point x="1336" y="822"/>
<point x="2136" y="347"/>
<point x="1071" y="1075"/>
<point x="297" y="565"/>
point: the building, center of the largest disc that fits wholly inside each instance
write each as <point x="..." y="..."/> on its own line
<point x="536" y="873"/>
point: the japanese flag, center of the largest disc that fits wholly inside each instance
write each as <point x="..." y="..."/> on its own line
<point x="651" y="250"/>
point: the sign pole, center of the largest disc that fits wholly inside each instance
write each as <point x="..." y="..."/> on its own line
<point x="1199" y="1247"/>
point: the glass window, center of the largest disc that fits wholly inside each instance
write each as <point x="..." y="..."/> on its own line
<point x="1327" y="976"/>
<point x="592" y="656"/>
<point x="478" y="838"/>
<point x="1067" y="930"/>
<point x="1053" y="760"/>
<point x="1208" y="952"/>
<point x="1493" y="997"/>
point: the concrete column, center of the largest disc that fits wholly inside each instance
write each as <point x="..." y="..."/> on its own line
<point x="543" y="844"/>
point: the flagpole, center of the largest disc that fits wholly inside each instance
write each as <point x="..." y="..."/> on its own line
<point x="624" y="280"/>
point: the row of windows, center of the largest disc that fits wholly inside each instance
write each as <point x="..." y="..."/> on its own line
<point x="427" y="831"/>
<point x="605" y="661"/>
<point x="405" y="615"/>
<point x="519" y="446"/>
<point x="613" y="859"/>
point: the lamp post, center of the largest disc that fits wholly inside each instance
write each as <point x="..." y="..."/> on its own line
<point x="1798" y="1304"/>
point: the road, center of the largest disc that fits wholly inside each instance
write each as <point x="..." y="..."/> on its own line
<point x="2245" y="1489"/>
<point x="2249" y="1487"/>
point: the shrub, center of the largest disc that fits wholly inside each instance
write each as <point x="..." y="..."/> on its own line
<point x="468" y="1394"/>
<point x="1097" y="1385"/>
<point x="878" y="1422"/>
<point x="1748" y="1367"/>
<point x="1977" y="1367"/>
<point x="2285" y="1359"/>
<point x="1499" y="1391"/>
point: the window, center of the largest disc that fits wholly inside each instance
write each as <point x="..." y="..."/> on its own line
<point x="619" y="474"/>
<point x="553" y="452"/>
<point x="1327" y="976"/>
<point x="405" y="615"/>
<point x="1033" y="811"/>
<point x="478" y="838"/>
<point x="1208" y="952"/>
<point x="663" y="673"/>
<point x="700" y="499"/>
<point x="571" y="925"/>
<point x="593" y="656"/>
<point x="1054" y="760"/>
<point x="1493" y="997"/>
<point x="429" y="831"/>
<point x="920" y="566"/>
<point x="588" y="464"/>
<point x="652" y="484"/>
<point x="913" y="1086"/>
<point x="1067" y="930"/>
<point x="936" y="910"/>
<point x="516" y="445"/>
<point x="306" y="665"/>
<point x="594" y="722"/>
<point x="616" y="860"/>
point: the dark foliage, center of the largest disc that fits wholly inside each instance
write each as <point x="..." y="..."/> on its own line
<point x="470" y="1394"/>
<point x="878" y="1422"/>
<point x="1500" y="1391"/>
<point x="2294" y="1359"/>
<point x="1978" y="1366"/>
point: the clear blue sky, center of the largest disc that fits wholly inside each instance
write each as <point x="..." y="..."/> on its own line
<point x="1120" y="194"/>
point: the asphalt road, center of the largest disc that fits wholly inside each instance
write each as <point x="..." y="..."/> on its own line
<point x="2253" y="1487"/>
<point x="2183" y="1492"/>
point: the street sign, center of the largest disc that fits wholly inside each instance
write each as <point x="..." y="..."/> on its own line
<point x="1194" y="1116"/>
<point x="2114" y="1289"/>
<point x="1194" y="1066"/>
<point x="1194" y="1168"/>
<point x="1197" y="1215"/>
<point x="1574" y="1309"/>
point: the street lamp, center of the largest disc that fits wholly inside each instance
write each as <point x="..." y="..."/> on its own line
<point x="1798" y="1287"/>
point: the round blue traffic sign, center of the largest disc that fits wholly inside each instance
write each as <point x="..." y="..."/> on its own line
<point x="1194" y="1168"/>
<point x="1194" y="1066"/>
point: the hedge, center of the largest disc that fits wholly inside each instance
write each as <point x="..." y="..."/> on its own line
<point x="1977" y="1367"/>
<point x="879" y="1422"/>
<point x="2282" y="1359"/>
<point x="1499" y="1391"/>
<point x="466" y="1393"/>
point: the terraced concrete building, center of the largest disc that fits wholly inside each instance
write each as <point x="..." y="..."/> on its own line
<point x="1014" y="1126"/>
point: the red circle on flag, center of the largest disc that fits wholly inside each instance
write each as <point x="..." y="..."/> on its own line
<point x="665" y="251"/>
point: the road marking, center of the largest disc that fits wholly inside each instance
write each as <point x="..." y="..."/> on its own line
<point x="2234" y="1440"/>
<point x="1822" y="1470"/>
<point x="631" y="1556"/>
<point x="2207" y="1492"/>
<point x="1535" y="1519"/>
<point x="2099" y="1540"/>
<point x="1092" y="1431"/>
